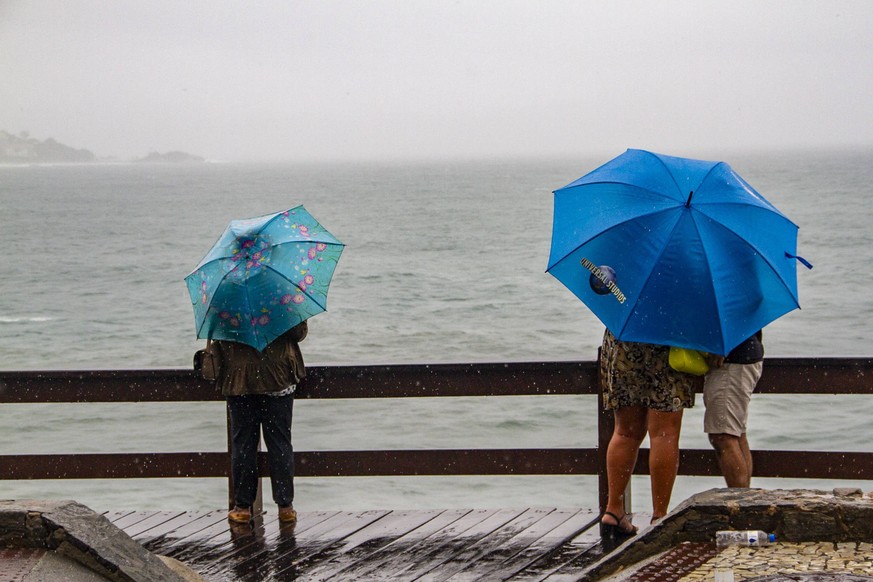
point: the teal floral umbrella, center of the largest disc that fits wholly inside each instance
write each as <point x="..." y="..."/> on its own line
<point x="262" y="277"/>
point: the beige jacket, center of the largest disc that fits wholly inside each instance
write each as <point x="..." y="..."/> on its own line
<point x="244" y="370"/>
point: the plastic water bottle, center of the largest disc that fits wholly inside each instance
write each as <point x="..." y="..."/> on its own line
<point x="748" y="537"/>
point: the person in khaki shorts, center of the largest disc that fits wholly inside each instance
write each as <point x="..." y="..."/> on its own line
<point x="727" y="392"/>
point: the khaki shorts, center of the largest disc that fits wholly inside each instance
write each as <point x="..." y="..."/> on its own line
<point x="726" y="395"/>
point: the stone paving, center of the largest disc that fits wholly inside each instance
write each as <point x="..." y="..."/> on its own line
<point x="786" y="558"/>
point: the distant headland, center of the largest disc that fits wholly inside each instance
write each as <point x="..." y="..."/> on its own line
<point x="23" y="149"/>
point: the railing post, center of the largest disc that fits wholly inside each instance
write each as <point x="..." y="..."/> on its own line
<point x="231" y="493"/>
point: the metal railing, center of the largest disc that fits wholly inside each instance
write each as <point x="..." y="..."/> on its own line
<point x="781" y="376"/>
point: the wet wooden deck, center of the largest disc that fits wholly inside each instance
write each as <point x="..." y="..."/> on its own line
<point x="440" y="544"/>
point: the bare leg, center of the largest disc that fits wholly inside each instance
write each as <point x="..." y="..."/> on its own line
<point x="734" y="458"/>
<point x="621" y="455"/>
<point x="664" y="430"/>
<point x="747" y="454"/>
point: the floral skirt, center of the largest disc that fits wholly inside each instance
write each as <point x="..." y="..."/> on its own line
<point x="638" y="374"/>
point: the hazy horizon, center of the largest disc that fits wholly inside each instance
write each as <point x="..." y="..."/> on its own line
<point x="723" y="154"/>
<point x="387" y="80"/>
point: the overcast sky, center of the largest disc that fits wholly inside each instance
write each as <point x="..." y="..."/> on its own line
<point x="317" y="79"/>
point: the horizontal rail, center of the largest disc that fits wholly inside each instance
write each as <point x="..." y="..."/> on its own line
<point x="557" y="461"/>
<point x="816" y="376"/>
<point x="781" y="376"/>
<point x="777" y="464"/>
<point x="307" y="464"/>
<point x="560" y="461"/>
<point x="375" y="381"/>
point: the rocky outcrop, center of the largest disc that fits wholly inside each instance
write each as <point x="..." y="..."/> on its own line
<point x="25" y="149"/>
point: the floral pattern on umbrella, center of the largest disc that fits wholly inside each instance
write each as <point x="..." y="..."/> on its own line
<point x="262" y="277"/>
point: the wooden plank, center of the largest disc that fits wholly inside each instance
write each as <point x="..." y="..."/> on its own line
<point x="479" y="379"/>
<point x="362" y="544"/>
<point x="816" y="376"/>
<point x="296" y="545"/>
<point x="160" y="523"/>
<point x="583" y="543"/>
<point x="433" y="547"/>
<point x="583" y="551"/>
<point x="568" y="533"/>
<point x="169" y="529"/>
<point x="427" y="545"/>
<point x="114" y="465"/>
<point x="132" y="519"/>
<point x="558" y="527"/>
<point x="197" y="529"/>
<point x="444" y="545"/>
<point x="401" y="552"/>
<point x="114" y="516"/>
<point x="212" y="554"/>
<point x="278" y="542"/>
<point x="556" y="461"/>
<point x="826" y="375"/>
<point x="105" y="386"/>
<point x="776" y="464"/>
<point x="225" y="539"/>
<point x="245" y="541"/>
<point x="373" y="381"/>
<point x="499" y="541"/>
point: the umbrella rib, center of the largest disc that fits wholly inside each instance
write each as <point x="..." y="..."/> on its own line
<point x="282" y="275"/>
<point x="648" y="277"/>
<point x="209" y="305"/>
<point x="666" y="169"/>
<point x="710" y="279"/>
<point x="766" y="206"/>
<point x="673" y="178"/>
<point x="274" y="217"/>
<point x="309" y="241"/>
<point x="708" y="174"/>
<point x="755" y="247"/>
<point x="601" y="233"/>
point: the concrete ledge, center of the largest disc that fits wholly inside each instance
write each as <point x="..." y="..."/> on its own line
<point x="75" y="532"/>
<point x="800" y="515"/>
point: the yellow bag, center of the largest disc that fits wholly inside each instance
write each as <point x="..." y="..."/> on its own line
<point x="688" y="361"/>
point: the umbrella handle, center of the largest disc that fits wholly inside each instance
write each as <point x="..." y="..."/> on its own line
<point x="805" y="263"/>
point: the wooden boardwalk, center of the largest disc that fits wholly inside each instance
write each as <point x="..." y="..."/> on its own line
<point x="426" y="545"/>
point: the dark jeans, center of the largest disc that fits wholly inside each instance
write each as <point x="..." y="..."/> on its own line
<point x="247" y="415"/>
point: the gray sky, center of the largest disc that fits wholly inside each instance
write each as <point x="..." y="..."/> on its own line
<point x="436" y="78"/>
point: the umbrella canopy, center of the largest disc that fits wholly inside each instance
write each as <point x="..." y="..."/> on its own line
<point x="674" y="251"/>
<point x="262" y="277"/>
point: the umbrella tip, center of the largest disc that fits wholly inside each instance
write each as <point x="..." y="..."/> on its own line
<point x="688" y="202"/>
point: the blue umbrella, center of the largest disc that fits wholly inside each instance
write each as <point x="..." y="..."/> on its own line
<point x="674" y="251"/>
<point x="262" y="277"/>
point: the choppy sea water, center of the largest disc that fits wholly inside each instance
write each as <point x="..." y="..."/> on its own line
<point x="444" y="262"/>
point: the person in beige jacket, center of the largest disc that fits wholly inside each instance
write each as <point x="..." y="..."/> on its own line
<point x="259" y="388"/>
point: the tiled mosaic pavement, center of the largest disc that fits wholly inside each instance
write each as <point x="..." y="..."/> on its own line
<point x="786" y="558"/>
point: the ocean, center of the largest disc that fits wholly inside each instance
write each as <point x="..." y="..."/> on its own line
<point x="445" y="262"/>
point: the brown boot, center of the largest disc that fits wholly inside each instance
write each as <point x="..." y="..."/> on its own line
<point x="240" y="514"/>
<point x="287" y="514"/>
